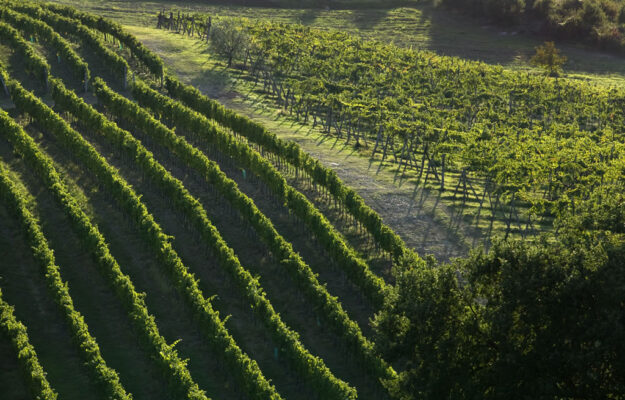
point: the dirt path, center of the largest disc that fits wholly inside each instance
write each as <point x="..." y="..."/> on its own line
<point x="416" y="215"/>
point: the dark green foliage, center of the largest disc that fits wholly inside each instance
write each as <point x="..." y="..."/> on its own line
<point x="592" y="21"/>
<point x="294" y="155"/>
<point x="330" y="308"/>
<point x="164" y="354"/>
<point x="311" y="367"/>
<point x="31" y="26"/>
<point x="540" y="321"/>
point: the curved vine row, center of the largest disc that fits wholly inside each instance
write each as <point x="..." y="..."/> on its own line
<point x="67" y="26"/>
<point x="313" y="368"/>
<point x="26" y="354"/>
<point x="165" y="354"/>
<point x="151" y="60"/>
<point x="292" y="153"/>
<point x="106" y="377"/>
<point x="258" y="134"/>
<point x="329" y="306"/>
<point x="45" y="32"/>
<point x="35" y="64"/>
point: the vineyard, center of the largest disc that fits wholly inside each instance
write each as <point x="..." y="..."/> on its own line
<point x="170" y="256"/>
<point x="507" y="151"/>
<point x="155" y="244"/>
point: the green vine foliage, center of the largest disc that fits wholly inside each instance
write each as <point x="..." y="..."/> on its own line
<point x="26" y="354"/>
<point x="68" y="26"/>
<point x="292" y="153"/>
<point x="164" y="354"/>
<point x="149" y="59"/>
<point x="311" y="367"/>
<point x="330" y="307"/>
<point x="35" y="64"/>
<point x="32" y="26"/>
<point x="106" y="377"/>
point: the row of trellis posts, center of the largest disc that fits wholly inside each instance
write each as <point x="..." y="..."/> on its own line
<point x="186" y="25"/>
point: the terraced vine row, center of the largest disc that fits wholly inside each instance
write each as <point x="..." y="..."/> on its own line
<point x="45" y="23"/>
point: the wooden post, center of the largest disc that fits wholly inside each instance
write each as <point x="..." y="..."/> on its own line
<point x="6" y="91"/>
<point x="125" y="77"/>
<point x="443" y="172"/>
<point x="85" y="80"/>
<point x="208" y="28"/>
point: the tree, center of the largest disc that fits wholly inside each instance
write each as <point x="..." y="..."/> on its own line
<point x="229" y="39"/>
<point x="549" y="58"/>
<point x="525" y="321"/>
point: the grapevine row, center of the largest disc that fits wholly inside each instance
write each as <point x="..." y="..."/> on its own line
<point x="92" y="239"/>
<point x="292" y="153"/>
<point x="330" y="308"/>
<point x="249" y="372"/>
<point x="26" y="354"/>
<point x="313" y="368"/>
<point x="106" y="377"/>
<point x="151" y="60"/>
<point x="35" y="64"/>
<point x="61" y="46"/>
<point x="247" y="369"/>
<point x="66" y="26"/>
<point x="357" y="269"/>
<point x="462" y="125"/>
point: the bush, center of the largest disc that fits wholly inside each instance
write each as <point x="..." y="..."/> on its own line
<point x="548" y="57"/>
